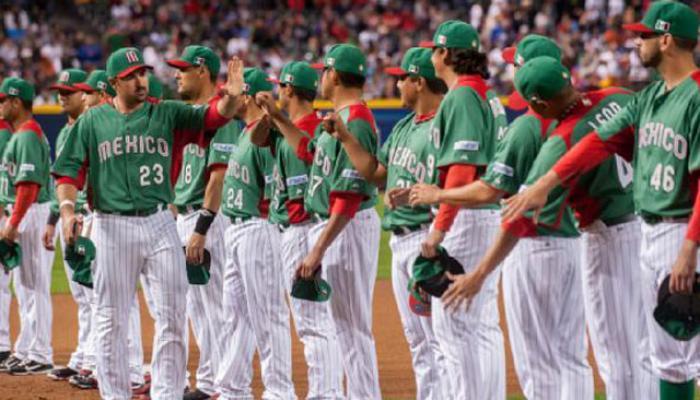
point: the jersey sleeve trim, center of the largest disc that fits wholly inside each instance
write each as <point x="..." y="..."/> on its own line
<point x="212" y="118"/>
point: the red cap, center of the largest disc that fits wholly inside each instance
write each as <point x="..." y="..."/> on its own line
<point x="178" y="63"/>
<point x="274" y="80"/>
<point x="419" y="308"/>
<point x="637" y="27"/>
<point x="395" y="71"/>
<point x="133" y="69"/>
<point x="67" y="88"/>
<point x="508" y="54"/>
<point x="516" y="101"/>
<point x="318" y="66"/>
<point x="427" y="44"/>
<point x="82" y="86"/>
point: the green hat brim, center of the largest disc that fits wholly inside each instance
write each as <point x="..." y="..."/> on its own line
<point x="199" y="274"/>
<point x="133" y="69"/>
<point x="317" y="289"/>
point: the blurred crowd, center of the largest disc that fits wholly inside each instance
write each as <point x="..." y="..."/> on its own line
<point x="39" y="38"/>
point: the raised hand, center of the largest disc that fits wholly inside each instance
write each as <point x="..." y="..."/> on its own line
<point x="334" y="125"/>
<point x="234" y="79"/>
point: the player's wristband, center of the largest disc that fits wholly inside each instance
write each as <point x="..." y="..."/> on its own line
<point x="53" y="219"/>
<point x="64" y="203"/>
<point x="204" y="221"/>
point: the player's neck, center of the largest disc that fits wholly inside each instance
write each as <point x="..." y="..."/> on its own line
<point x="450" y="77"/>
<point x="675" y="70"/>
<point x="125" y="107"/>
<point x="208" y="91"/>
<point x="427" y="103"/>
<point x="298" y="109"/>
<point x="74" y="115"/>
<point x="22" y="117"/>
<point x="252" y="114"/>
<point x="344" y="97"/>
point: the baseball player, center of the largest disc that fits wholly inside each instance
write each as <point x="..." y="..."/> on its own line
<point x="298" y="83"/>
<point x="128" y="149"/>
<point x="469" y="123"/>
<point x="658" y="129"/>
<point x="197" y="199"/>
<point x="96" y="88"/>
<point x="5" y="294"/>
<point x="26" y="159"/>
<point x="345" y="238"/>
<point x="403" y="160"/>
<point x="254" y="296"/>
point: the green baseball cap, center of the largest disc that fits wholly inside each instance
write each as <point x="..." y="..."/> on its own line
<point x="344" y="57"/>
<point x="79" y="257"/>
<point x="199" y="274"/>
<point x="530" y="47"/>
<point x="415" y="62"/>
<point x="17" y="87"/>
<point x="10" y="255"/>
<point x="196" y="55"/>
<point x="155" y="87"/>
<point x="315" y="289"/>
<point x="298" y="74"/>
<point x="541" y="78"/>
<point x="454" y="34"/>
<point x="255" y="81"/>
<point x="678" y="313"/>
<point x="671" y="17"/>
<point x="429" y="274"/>
<point x="97" y="81"/>
<point x="125" y="61"/>
<point x="68" y="78"/>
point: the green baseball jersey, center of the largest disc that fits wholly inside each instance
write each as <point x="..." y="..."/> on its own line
<point x="81" y="200"/>
<point x="664" y="127"/>
<point x="132" y="159"/>
<point x="246" y="191"/>
<point x="512" y="164"/>
<point x="408" y="159"/>
<point x="196" y="162"/>
<point x="604" y="192"/>
<point x="7" y="192"/>
<point x="290" y="174"/>
<point x="332" y="171"/>
<point x="468" y="126"/>
<point x="26" y="158"/>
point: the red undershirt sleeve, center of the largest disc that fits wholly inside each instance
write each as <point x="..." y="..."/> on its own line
<point x="27" y="193"/>
<point x="296" y="211"/>
<point x="694" y="224"/>
<point x="303" y="152"/>
<point x="213" y="119"/>
<point x="456" y="175"/>
<point x="521" y="227"/>
<point x="345" y="203"/>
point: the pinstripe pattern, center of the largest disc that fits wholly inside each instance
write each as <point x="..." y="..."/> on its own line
<point x="5" y="299"/>
<point x="672" y="360"/>
<point x="350" y="266"/>
<point x="32" y="281"/>
<point x="313" y="322"/>
<point x="544" y="310"/>
<point x="613" y="303"/>
<point x="462" y="335"/>
<point x="428" y="361"/>
<point x="256" y="313"/>
<point x="204" y="302"/>
<point x="128" y="246"/>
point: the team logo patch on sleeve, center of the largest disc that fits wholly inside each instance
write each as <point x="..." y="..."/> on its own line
<point x="269" y="179"/>
<point x="466" y="145"/>
<point x="297" y="180"/>
<point x="224" y="147"/>
<point x="503" y="169"/>
<point x="26" y="168"/>
<point x="352" y="174"/>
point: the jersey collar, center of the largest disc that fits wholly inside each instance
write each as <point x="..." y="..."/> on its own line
<point x="424" y="117"/>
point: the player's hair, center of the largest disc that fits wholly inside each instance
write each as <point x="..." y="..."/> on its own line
<point x="351" y="80"/>
<point x="685" y="44"/>
<point x="468" y="62"/>
<point x="27" y="104"/>
<point x="304" y="94"/>
<point x="436" y="86"/>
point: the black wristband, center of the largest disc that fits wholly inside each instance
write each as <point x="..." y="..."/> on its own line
<point x="53" y="219"/>
<point x="204" y="221"/>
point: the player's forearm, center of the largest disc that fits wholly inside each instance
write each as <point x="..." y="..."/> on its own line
<point x="365" y="162"/>
<point x="66" y="193"/>
<point x="214" y="190"/>
<point x="547" y="182"/>
<point x="26" y="195"/>
<point x="336" y="224"/>
<point x="291" y="133"/>
<point x="226" y="106"/>
<point x="499" y="250"/>
<point x="260" y="134"/>
<point x="472" y="195"/>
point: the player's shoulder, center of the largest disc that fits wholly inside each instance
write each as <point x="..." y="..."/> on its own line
<point x="360" y="112"/>
<point x="4" y="125"/>
<point x="405" y="120"/>
<point x="529" y="123"/>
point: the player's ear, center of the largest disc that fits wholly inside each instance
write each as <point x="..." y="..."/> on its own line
<point x="421" y="84"/>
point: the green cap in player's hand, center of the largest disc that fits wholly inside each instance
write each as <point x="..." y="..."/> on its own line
<point x="255" y="81"/>
<point x="541" y="78"/>
<point x="79" y="257"/>
<point x="671" y="17"/>
<point x="416" y="62"/>
<point x="68" y="78"/>
<point x="10" y="255"/>
<point x="298" y="74"/>
<point x="315" y="289"/>
<point x="125" y="61"/>
<point x="344" y="58"/>
<point x="97" y="81"/>
<point x="530" y="47"/>
<point x="196" y="55"/>
<point x="17" y="87"/>
<point x="454" y="34"/>
<point x="155" y="87"/>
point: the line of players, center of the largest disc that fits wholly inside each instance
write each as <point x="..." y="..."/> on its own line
<point x="298" y="191"/>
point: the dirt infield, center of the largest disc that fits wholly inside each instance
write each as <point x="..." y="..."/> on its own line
<point x="394" y="360"/>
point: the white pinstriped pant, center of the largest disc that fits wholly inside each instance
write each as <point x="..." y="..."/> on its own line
<point x="256" y="313"/>
<point x="204" y="302"/>
<point x="612" y="279"/>
<point x="32" y="281"/>
<point x="472" y="341"/>
<point x="350" y="266"/>
<point x="428" y="361"/>
<point x="127" y="247"/>
<point x="5" y="299"/>
<point x="545" y="314"/>
<point x="313" y="322"/>
<point x="672" y="360"/>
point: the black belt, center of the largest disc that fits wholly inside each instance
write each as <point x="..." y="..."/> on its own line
<point x="655" y="219"/>
<point x="188" y="209"/>
<point x="619" y="220"/>
<point x="144" y="212"/>
<point x="240" y="220"/>
<point x="405" y="230"/>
